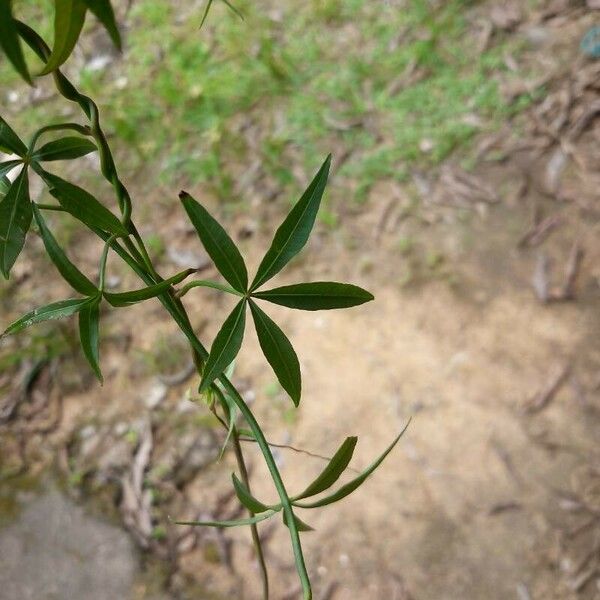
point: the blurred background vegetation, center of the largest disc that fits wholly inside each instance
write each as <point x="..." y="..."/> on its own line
<point x="386" y="85"/>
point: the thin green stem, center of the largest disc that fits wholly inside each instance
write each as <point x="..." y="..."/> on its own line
<point x="239" y="456"/>
<point x="55" y="207"/>
<point x="82" y="129"/>
<point x="103" y="260"/>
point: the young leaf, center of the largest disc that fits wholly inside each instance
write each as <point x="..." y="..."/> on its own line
<point x="218" y="244"/>
<point x="347" y="489"/>
<point x="103" y="11"/>
<point x="279" y="353"/>
<point x="83" y="206"/>
<point x="300" y="524"/>
<point x="50" y="312"/>
<point x="129" y="298"/>
<point x="89" y="321"/>
<point x="8" y="166"/>
<point x="15" y="219"/>
<point x="66" y="148"/>
<point x="10" y="42"/>
<point x="293" y="233"/>
<point x="238" y="523"/>
<point x="246" y="498"/>
<point x="72" y="275"/>
<point x="9" y="140"/>
<point x="69" y="16"/>
<point x="226" y="345"/>
<point x="332" y="472"/>
<point x="320" y="295"/>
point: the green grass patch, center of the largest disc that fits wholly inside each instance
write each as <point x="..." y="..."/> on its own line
<point x="390" y="85"/>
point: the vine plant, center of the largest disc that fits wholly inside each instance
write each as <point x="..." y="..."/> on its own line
<point x="18" y="212"/>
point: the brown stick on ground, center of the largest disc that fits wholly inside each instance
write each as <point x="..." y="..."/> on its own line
<point x="538" y="232"/>
<point x="542" y="398"/>
<point x="567" y="292"/>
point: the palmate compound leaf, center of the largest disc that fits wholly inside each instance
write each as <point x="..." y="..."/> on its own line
<point x="10" y="42"/>
<point x="279" y="353"/>
<point x="332" y="472"/>
<point x="50" y="312"/>
<point x="119" y="299"/>
<point x="295" y="230"/>
<point x="69" y="16"/>
<point x="355" y="483"/>
<point x="71" y="274"/>
<point x="319" y="295"/>
<point x="226" y="346"/>
<point x="89" y="335"/>
<point x="246" y="498"/>
<point x="219" y="246"/>
<point x="15" y="219"/>
<point x="103" y="11"/>
<point x="83" y="206"/>
<point x="66" y="148"/>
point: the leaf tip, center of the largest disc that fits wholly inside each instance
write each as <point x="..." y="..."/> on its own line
<point x="296" y="399"/>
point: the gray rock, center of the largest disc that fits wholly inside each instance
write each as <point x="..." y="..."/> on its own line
<point x="55" y="551"/>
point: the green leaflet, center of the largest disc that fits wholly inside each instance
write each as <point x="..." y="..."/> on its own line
<point x="15" y="219"/>
<point x="4" y="186"/>
<point x="129" y="298"/>
<point x="66" y="148"/>
<point x="10" y="42"/>
<point x="279" y="353"/>
<point x="71" y="274"/>
<point x="246" y="498"/>
<point x="347" y="489"/>
<point x="9" y="140"/>
<point x="103" y="11"/>
<point x="226" y="345"/>
<point x="89" y="335"/>
<point x="69" y="16"/>
<point x="218" y="244"/>
<point x="300" y="524"/>
<point x="50" y="312"/>
<point x="238" y="523"/>
<point x="8" y="166"/>
<point x="83" y="206"/>
<point x="320" y="295"/>
<point x="293" y="233"/>
<point x="332" y="472"/>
